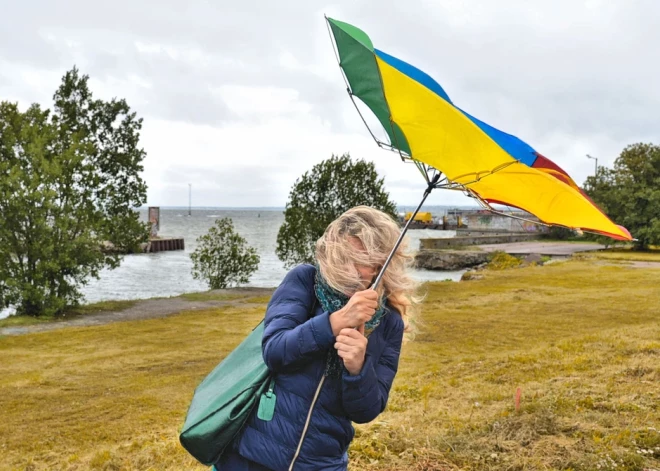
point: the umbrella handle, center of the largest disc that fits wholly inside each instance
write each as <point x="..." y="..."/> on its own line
<point x="430" y="187"/>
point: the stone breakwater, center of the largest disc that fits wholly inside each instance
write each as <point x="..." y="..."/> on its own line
<point x="450" y="259"/>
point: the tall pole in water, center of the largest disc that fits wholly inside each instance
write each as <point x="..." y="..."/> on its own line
<point x="189" y="199"/>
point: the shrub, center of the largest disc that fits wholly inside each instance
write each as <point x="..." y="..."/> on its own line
<point x="503" y="261"/>
<point x="223" y="257"/>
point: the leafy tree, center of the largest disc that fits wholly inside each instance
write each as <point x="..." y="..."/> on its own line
<point x="69" y="182"/>
<point x="223" y="256"/>
<point x="320" y="196"/>
<point x="559" y="233"/>
<point x="630" y="192"/>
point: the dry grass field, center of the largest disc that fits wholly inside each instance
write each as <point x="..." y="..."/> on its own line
<point x="579" y="340"/>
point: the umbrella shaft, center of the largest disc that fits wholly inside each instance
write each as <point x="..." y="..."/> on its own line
<point x="403" y="233"/>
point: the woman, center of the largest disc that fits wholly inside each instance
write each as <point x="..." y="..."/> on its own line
<point x="333" y="344"/>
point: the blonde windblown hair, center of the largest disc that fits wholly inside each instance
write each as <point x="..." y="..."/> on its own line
<point x="378" y="232"/>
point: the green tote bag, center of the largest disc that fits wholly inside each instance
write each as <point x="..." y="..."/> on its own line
<point x="224" y="400"/>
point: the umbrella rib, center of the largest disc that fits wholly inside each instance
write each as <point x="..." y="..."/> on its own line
<point x="518" y="219"/>
<point x="488" y="207"/>
<point x="463" y="185"/>
<point x="382" y="87"/>
<point x="334" y="48"/>
<point x="442" y="182"/>
<point x="348" y="85"/>
<point x="487" y="172"/>
<point x="351" y="95"/>
<point x="422" y="170"/>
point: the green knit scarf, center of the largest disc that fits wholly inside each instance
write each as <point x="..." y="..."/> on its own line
<point x="332" y="300"/>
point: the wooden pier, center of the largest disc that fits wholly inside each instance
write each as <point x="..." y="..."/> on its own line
<point x="164" y="245"/>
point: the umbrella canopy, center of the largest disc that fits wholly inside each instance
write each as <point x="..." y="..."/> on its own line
<point x="424" y="125"/>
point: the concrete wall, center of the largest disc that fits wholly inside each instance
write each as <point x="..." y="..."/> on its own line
<point x="477" y="221"/>
<point x="430" y="244"/>
<point x="461" y="232"/>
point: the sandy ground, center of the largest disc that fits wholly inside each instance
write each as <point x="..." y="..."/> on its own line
<point x="146" y="309"/>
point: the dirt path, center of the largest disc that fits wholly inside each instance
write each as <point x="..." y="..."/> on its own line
<point x="146" y="309"/>
<point x="628" y="263"/>
<point x="644" y="264"/>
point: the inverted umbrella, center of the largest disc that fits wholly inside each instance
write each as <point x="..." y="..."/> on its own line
<point x="455" y="150"/>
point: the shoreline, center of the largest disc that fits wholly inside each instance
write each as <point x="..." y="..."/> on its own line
<point x="105" y="312"/>
<point x="149" y="309"/>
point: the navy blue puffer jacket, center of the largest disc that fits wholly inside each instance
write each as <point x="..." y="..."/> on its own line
<point x="295" y="345"/>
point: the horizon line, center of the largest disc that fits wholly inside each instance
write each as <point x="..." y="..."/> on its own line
<point x="284" y="207"/>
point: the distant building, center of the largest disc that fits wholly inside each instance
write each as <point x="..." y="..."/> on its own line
<point x="484" y="220"/>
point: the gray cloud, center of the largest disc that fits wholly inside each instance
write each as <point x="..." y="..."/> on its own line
<point x="241" y="185"/>
<point x="566" y="66"/>
<point x="566" y="76"/>
<point x="25" y="45"/>
<point x="241" y="44"/>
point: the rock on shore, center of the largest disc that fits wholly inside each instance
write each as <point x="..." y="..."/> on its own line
<point x="449" y="259"/>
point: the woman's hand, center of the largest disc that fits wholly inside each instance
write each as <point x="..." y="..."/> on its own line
<point x="359" y="309"/>
<point x="351" y="347"/>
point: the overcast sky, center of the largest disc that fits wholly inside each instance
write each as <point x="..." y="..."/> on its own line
<point x="240" y="98"/>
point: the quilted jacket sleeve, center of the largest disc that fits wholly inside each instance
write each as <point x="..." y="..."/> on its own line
<point x="365" y="395"/>
<point x="290" y="336"/>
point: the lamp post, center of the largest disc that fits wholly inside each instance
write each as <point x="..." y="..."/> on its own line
<point x="596" y="168"/>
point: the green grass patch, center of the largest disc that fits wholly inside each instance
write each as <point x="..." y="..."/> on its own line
<point x="503" y="261"/>
<point x="244" y="297"/>
<point x="104" y="306"/>
<point x="212" y="296"/>
<point x="257" y="299"/>
<point x="86" y="309"/>
<point x="623" y="255"/>
<point x="466" y="248"/>
<point x="20" y="321"/>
